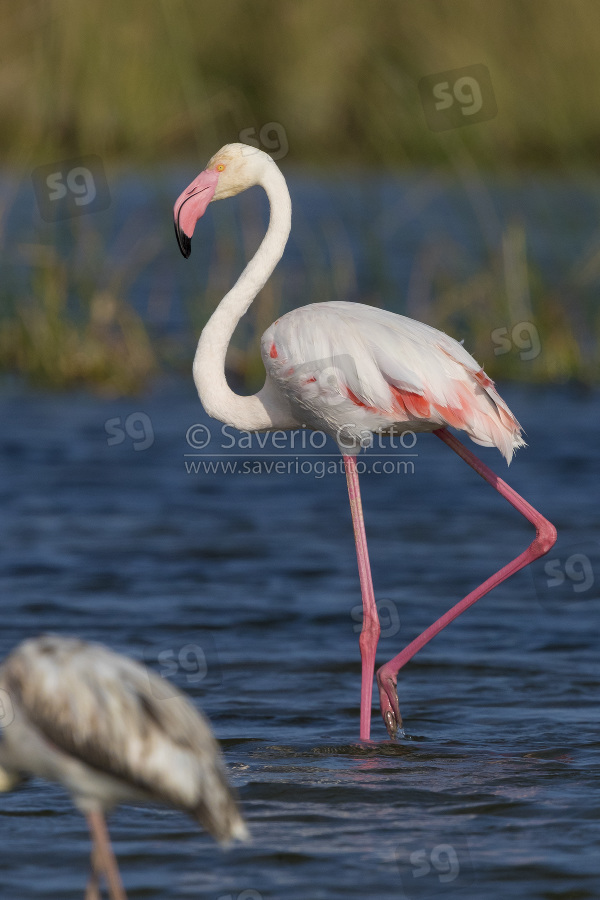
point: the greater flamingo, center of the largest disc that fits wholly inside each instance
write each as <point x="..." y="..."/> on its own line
<point x="348" y="370"/>
<point x="110" y="731"/>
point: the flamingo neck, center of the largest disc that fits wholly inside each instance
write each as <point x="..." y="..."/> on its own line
<point x="265" y="409"/>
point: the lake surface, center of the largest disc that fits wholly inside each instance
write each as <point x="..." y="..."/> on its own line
<point x="395" y="240"/>
<point x="245" y="582"/>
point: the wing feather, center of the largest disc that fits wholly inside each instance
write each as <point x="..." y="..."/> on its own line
<point x="402" y="370"/>
<point x="121" y="719"/>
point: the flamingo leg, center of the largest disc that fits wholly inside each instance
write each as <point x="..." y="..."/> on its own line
<point x="103" y="858"/>
<point x="544" y="540"/>
<point x="92" y="891"/>
<point x="371" y="628"/>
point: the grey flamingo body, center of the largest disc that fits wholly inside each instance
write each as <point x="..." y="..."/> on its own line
<point x="111" y="732"/>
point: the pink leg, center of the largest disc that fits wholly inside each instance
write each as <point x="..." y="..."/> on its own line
<point x="369" y="635"/>
<point x="92" y="891"/>
<point x="103" y="858"/>
<point x="544" y="540"/>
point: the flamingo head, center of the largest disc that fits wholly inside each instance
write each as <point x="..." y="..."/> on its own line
<point x="233" y="169"/>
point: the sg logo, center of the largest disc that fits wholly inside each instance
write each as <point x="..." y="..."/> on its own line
<point x="442" y="860"/>
<point x="271" y="138"/>
<point x="573" y="573"/>
<point x="192" y="665"/>
<point x="458" y="97"/>
<point x="388" y="617"/>
<point x="71" y="188"/>
<point x="138" y="427"/>
<point x="191" y="658"/>
<point x="80" y="182"/>
<point x="433" y="866"/>
<point x="524" y="336"/>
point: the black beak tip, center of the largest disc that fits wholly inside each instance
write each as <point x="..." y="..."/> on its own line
<point x="185" y="243"/>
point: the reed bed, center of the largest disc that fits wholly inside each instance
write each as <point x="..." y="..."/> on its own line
<point x="151" y="83"/>
<point x="152" y="79"/>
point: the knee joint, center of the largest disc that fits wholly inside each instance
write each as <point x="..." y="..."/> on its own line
<point x="545" y="539"/>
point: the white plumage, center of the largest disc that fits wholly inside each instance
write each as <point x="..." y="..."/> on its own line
<point x="344" y="368"/>
<point x="348" y="370"/>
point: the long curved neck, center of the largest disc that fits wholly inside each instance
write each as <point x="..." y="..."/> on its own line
<point x="265" y="409"/>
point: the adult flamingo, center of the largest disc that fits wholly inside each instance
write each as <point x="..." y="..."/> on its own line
<point x="349" y="370"/>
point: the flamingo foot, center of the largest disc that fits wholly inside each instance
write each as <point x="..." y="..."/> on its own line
<point x="388" y="701"/>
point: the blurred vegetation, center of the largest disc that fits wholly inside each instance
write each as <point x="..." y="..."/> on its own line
<point x="149" y="83"/>
<point x="73" y="325"/>
<point x="152" y="79"/>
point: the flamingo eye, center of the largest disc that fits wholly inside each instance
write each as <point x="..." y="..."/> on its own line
<point x="220" y="167"/>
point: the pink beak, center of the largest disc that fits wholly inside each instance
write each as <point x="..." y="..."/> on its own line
<point x="191" y="206"/>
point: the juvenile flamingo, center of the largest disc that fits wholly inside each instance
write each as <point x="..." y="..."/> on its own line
<point x="348" y="370"/>
<point x="110" y="731"/>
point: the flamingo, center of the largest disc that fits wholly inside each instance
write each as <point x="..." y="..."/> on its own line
<point x="110" y="731"/>
<point x="349" y="370"/>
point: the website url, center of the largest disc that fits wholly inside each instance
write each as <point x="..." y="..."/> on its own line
<point x="317" y="468"/>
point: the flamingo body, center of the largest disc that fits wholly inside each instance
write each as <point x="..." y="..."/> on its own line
<point x="110" y="731"/>
<point x="350" y="369"/>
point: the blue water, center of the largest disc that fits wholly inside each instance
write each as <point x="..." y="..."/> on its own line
<point x="248" y="584"/>
<point x="392" y="240"/>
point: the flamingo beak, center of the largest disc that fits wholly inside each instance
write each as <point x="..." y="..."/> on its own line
<point x="191" y="206"/>
<point x="185" y="244"/>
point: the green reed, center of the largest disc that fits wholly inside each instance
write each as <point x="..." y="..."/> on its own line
<point x="150" y="82"/>
<point x="153" y="79"/>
